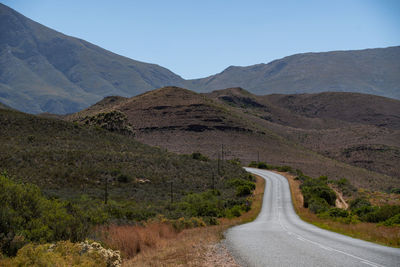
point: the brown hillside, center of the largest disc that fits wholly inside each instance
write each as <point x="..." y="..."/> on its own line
<point x="185" y="122"/>
<point x="361" y="130"/>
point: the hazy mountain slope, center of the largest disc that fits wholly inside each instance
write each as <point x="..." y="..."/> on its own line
<point x="42" y="70"/>
<point x="185" y="122"/>
<point x="361" y="130"/>
<point x="2" y="106"/>
<point x="371" y="71"/>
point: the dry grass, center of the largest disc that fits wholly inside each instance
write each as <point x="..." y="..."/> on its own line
<point x="381" y="198"/>
<point x="131" y="240"/>
<point x="385" y="235"/>
<point x="168" y="248"/>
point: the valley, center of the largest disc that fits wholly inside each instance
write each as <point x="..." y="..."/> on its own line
<point x="110" y="161"/>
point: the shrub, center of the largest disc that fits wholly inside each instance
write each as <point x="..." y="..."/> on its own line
<point x="235" y="211"/>
<point x="315" y="189"/>
<point x="336" y="212"/>
<point x="346" y="187"/>
<point x="285" y="169"/>
<point x="235" y="161"/>
<point x="359" y="203"/>
<point x="123" y="178"/>
<point x="262" y="165"/>
<point x="253" y="164"/>
<point x="362" y="212"/>
<point x="241" y="182"/>
<point x="243" y="190"/>
<point x="211" y="220"/>
<point x="25" y="215"/>
<point x="204" y="204"/>
<point x="393" y="221"/>
<point x="381" y="214"/>
<point x="199" y="156"/>
<point x="395" y="191"/>
<point x="63" y="253"/>
<point x="318" y="205"/>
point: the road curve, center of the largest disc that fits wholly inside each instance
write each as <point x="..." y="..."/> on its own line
<point x="278" y="237"/>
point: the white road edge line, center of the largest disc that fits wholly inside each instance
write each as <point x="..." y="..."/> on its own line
<point x="322" y="246"/>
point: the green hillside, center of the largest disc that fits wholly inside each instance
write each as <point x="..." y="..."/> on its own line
<point x="67" y="160"/>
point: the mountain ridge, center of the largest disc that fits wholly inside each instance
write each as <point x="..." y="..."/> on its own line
<point x="53" y="72"/>
<point x="314" y="72"/>
<point x="42" y="70"/>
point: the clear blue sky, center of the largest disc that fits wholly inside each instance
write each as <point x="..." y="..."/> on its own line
<point x="199" y="38"/>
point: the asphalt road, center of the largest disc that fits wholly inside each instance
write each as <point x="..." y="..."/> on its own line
<point x="278" y="237"/>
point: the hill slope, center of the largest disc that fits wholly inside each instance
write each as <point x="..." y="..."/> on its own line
<point x="67" y="160"/>
<point x="185" y="122"/>
<point x="359" y="129"/>
<point x="42" y="70"/>
<point x="370" y="71"/>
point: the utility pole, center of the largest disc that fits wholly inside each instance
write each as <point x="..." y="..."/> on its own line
<point x="172" y="194"/>
<point x="222" y="157"/>
<point x="213" y="181"/>
<point x="258" y="156"/>
<point x="105" y="190"/>
<point x="219" y="172"/>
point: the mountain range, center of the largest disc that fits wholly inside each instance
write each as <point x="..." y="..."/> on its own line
<point x="42" y="70"/>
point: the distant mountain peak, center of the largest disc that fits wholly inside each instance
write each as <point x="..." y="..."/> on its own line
<point x="42" y="70"/>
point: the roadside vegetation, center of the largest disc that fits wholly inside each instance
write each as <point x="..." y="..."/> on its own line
<point x="315" y="201"/>
<point x="63" y="181"/>
<point x="30" y="219"/>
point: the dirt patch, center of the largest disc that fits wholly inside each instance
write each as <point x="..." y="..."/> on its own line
<point x="340" y="202"/>
<point x="218" y="255"/>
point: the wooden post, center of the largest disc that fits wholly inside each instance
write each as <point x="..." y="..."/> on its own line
<point x="172" y="196"/>
<point x="106" y="190"/>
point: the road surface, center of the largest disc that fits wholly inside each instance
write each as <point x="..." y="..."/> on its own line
<point x="278" y="237"/>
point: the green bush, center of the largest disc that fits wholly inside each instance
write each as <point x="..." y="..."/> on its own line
<point x="243" y="187"/>
<point x="253" y="164"/>
<point x="318" y="205"/>
<point x="362" y="212"/>
<point x="262" y="165"/>
<point x="124" y="178"/>
<point x="242" y="182"/>
<point x="26" y="215"/>
<point x="204" y="204"/>
<point x="199" y="156"/>
<point x="235" y="211"/>
<point x="243" y="190"/>
<point x="393" y="221"/>
<point x="285" y="169"/>
<point x="359" y="203"/>
<point x="345" y="186"/>
<point x="314" y="190"/>
<point x="336" y="212"/>
<point x="381" y="214"/>
<point x="395" y="191"/>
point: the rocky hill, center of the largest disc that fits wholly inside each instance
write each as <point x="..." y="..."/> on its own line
<point x="359" y="129"/>
<point x="248" y="127"/>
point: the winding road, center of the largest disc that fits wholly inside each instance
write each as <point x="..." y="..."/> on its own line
<point x="278" y="237"/>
